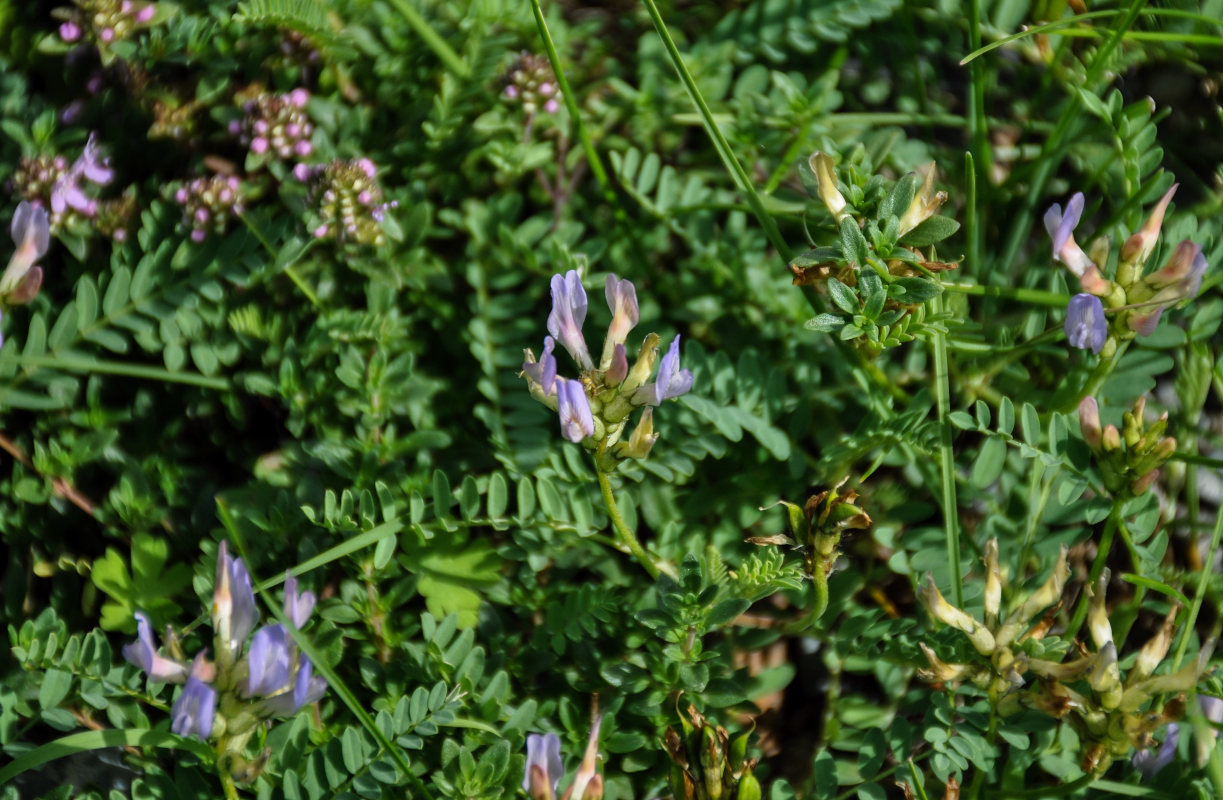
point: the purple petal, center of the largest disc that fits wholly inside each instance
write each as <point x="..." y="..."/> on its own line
<point x="1085" y="323"/>
<point x="672" y="381"/>
<point x="543" y="752"/>
<point x="568" y="313"/>
<point x="576" y="420"/>
<point x="193" y="710"/>
<point x="268" y="661"/>
<point x="543" y="371"/>
<point x="297" y="607"/>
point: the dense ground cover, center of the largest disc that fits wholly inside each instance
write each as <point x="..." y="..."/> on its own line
<point x="895" y="474"/>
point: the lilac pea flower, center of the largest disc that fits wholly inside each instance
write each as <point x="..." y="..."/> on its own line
<point x="268" y="662"/>
<point x="297" y="606"/>
<point x="193" y="711"/>
<point x="1149" y="762"/>
<point x="233" y="603"/>
<point x="576" y="420"/>
<point x="93" y="166"/>
<point x="1085" y="323"/>
<point x="568" y="314"/>
<point x="306" y="689"/>
<point x="543" y="372"/>
<point x="622" y="300"/>
<point x="672" y="381"/>
<point x="1061" y="228"/>
<point x="31" y="231"/>
<point x="143" y="653"/>
<point x="544" y="766"/>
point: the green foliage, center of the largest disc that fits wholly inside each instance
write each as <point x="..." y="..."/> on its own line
<point x="356" y="413"/>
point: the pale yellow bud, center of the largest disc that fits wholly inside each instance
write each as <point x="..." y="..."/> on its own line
<point x="1049" y="593"/>
<point x="925" y="205"/>
<point x="956" y="618"/>
<point x="1097" y="614"/>
<point x="993" y="582"/>
<point x="1154" y="650"/>
<point x="825" y="173"/>
<point x="942" y="671"/>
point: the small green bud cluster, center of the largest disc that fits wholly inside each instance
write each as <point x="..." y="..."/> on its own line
<point x="1129" y="459"/>
<point x="874" y="273"/>
<point x="709" y="764"/>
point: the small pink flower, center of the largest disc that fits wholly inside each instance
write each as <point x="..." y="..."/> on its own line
<point x="302" y="172"/>
<point x="293" y="130"/>
<point x="367" y="167"/>
<point x="552" y="106"/>
<point x="364" y="198"/>
<point x="261" y="126"/>
<point x="303" y="148"/>
<point x="511" y="91"/>
<point x="107" y="34"/>
<point x="546" y="89"/>
<point x="234" y="127"/>
<point x="298" y="97"/>
<point x="259" y="145"/>
<point x="70" y="31"/>
<point x="201" y="215"/>
<point x="320" y="231"/>
<point x="125" y="7"/>
<point x="145" y="14"/>
<point x="198" y="235"/>
<point x="181" y="195"/>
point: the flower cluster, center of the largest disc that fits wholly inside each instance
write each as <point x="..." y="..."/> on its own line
<point x="1113" y="716"/>
<point x="276" y="125"/>
<point x="22" y="278"/>
<point x="103" y="22"/>
<point x="1137" y="302"/>
<point x="67" y="189"/>
<point x="227" y="699"/>
<point x="346" y="200"/>
<point x="1130" y="458"/>
<point x="544" y="768"/>
<point x="209" y="203"/>
<point x="595" y="409"/>
<point x="531" y="82"/>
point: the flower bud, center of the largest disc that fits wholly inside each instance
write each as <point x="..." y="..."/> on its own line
<point x="951" y="616"/>
<point x="925" y="205"/>
<point x="1137" y="249"/>
<point x="825" y="174"/>
<point x="1089" y="423"/>
<point x="1111" y="439"/>
<point x="1154" y="650"/>
<point x="993" y="582"/>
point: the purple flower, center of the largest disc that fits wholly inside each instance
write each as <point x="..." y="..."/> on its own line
<point x="544" y="766"/>
<point x="1061" y="228"/>
<point x="233" y="603"/>
<point x="143" y="653"/>
<point x="543" y="372"/>
<point x="268" y="661"/>
<point x="671" y="382"/>
<point x="1085" y="323"/>
<point x="306" y="689"/>
<point x="297" y="606"/>
<point x="93" y="166"/>
<point x="193" y="710"/>
<point x="576" y="420"/>
<point x="568" y="314"/>
<point x="1149" y="762"/>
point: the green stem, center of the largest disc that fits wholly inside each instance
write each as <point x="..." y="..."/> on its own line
<point x="942" y="392"/>
<point x="624" y="536"/>
<point x="1097" y="566"/>
<point x="227" y="785"/>
<point x="597" y="168"/>
<point x="738" y="174"/>
<point x="90" y="366"/>
<point x="1199" y="593"/>
<point x="1051" y="156"/>
<point x="1038" y="296"/>
<point x="1048" y="791"/>
<point x="432" y="40"/>
<point x="979" y="136"/>
<point x="1096" y="379"/>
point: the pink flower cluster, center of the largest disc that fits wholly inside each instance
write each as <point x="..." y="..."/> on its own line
<point x="276" y="125"/>
<point x="345" y="200"/>
<point x="209" y="203"/>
